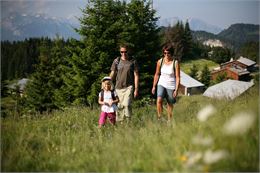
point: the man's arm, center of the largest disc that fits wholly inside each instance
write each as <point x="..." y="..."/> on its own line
<point x="112" y="73"/>
<point x="136" y="76"/>
<point x="113" y="69"/>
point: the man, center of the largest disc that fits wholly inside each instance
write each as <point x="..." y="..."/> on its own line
<point x="125" y="70"/>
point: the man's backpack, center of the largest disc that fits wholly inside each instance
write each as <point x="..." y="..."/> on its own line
<point x="112" y="95"/>
<point x="117" y="61"/>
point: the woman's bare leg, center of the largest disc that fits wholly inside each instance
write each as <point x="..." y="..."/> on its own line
<point x="169" y="111"/>
<point x="159" y="107"/>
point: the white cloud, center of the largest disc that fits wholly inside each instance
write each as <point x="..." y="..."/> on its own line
<point x="23" y="7"/>
<point x="7" y="24"/>
<point x="17" y="32"/>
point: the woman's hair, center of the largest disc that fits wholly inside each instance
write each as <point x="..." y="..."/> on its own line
<point x="103" y="84"/>
<point x="123" y="46"/>
<point x="170" y="48"/>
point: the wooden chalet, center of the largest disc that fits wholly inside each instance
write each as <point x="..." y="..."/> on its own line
<point x="189" y="85"/>
<point x="235" y="69"/>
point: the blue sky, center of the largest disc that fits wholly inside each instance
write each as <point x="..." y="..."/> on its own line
<point x="221" y="13"/>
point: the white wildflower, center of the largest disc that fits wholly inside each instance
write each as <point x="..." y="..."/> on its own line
<point x="73" y="150"/>
<point x="214" y="156"/>
<point x="200" y="140"/>
<point x="239" y="124"/>
<point x="206" y="112"/>
<point x="193" y="158"/>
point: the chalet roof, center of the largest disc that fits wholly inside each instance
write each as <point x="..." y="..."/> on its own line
<point x="246" y="61"/>
<point x="228" y="62"/>
<point x="188" y="81"/>
<point x="228" y="89"/>
<point x="238" y="70"/>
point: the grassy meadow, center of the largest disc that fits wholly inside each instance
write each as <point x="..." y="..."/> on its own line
<point x="199" y="63"/>
<point x="203" y="137"/>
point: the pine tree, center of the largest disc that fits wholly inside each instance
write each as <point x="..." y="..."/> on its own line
<point x="18" y="58"/>
<point x="180" y="36"/>
<point x="194" y="72"/>
<point x="91" y="57"/>
<point x="205" y="76"/>
<point x="221" y="55"/>
<point x="178" y="39"/>
<point x="73" y="63"/>
<point x="250" y="50"/>
<point x="104" y="26"/>
<point x="187" y="42"/>
<point x="44" y="91"/>
<point x="39" y="92"/>
<point x="167" y="35"/>
<point x="57" y="61"/>
<point x="143" y="36"/>
<point x="175" y="35"/>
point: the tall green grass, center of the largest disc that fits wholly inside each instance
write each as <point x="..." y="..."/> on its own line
<point x="69" y="140"/>
<point x="199" y="63"/>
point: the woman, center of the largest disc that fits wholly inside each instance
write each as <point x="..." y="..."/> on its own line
<point x="167" y="79"/>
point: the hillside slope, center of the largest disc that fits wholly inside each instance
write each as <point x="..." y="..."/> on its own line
<point x="234" y="36"/>
<point x="241" y="33"/>
<point x="69" y="140"/>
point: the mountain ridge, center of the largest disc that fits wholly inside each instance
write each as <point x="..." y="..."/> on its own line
<point x="18" y="27"/>
<point x="233" y="37"/>
<point x="195" y="24"/>
<point x="21" y="26"/>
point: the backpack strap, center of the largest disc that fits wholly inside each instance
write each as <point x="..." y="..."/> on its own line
<point x="162" y="59"/>
<point x="112" y="95"/>
<point x="174" y="60"/>
<point x="102" y="95"/>
<point x="117" y="62"/>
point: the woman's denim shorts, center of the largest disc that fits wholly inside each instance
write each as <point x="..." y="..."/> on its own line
<point x="166" y="93"/>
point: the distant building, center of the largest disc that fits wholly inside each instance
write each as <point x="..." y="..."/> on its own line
<point x="235" y="69"/>
<point x="234" y="72"/>
<point x="213" y="43"/>
<point x="228" y="89"/>
<point x="189" y="85"/>
<point x="248" y="63"/>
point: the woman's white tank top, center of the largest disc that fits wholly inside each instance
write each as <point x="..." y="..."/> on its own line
<point x="167" y="77"/>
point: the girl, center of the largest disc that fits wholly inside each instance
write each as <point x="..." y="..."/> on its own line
<point x="107" y="99"/>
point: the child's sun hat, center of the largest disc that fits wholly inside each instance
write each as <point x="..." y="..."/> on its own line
<point x="106" y="78"/>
